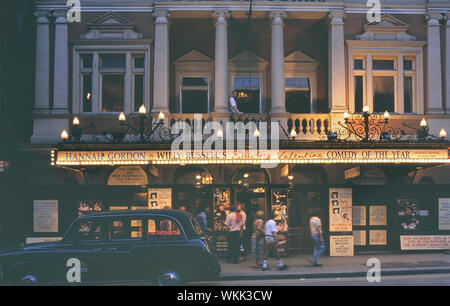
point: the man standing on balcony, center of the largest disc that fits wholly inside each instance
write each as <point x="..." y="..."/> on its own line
<point x="233" y="105"/>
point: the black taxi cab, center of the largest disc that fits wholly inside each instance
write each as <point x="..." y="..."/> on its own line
<point x="166" y="247"/>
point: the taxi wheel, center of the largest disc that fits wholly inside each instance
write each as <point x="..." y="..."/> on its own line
<point x="169" y="277"/>
<point x="27" y="278"/>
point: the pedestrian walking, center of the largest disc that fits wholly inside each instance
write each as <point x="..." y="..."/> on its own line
<point x="270" y="244"/>
<point x="243" y="251"/>
<point x="315" y="225"/>
<point x="202" y="219"/>
<point x="258" y="239"/>
<point x="234" y="223"/>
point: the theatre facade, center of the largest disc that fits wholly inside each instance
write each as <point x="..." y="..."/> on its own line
<point x="344" y="116"/>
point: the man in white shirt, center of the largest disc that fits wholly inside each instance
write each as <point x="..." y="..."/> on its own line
<point x="270" y="244"/>
<point x="233" y="105"/>
<point x="315" y="225"/>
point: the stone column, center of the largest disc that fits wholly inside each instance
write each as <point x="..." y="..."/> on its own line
<point x="161" y="66"/>
<point x="277" y="63"/>
<point x="434" y="79"/>
<point x="42" y="82"/>
<point x="447" y="62"/>
<point x="61" y="67"/>
<point x="221" y="91"/>
<point x="336" y="62"/>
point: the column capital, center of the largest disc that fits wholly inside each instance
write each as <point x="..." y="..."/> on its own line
<point x="433" y="18"/>
<point x="337" y="17"/>
<point x="41" y="17"/>
<point x="447" y="19"/>
<point x="221" y="16"/>
<point x="277" y="17"/>
<point x="161" y="16"/>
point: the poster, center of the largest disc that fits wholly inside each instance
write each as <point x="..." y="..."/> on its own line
<point x="159" y="198"/>
<point x="279" y="208"/>
<point x="408" y="214"/>
<point x="341" y="245"/>
<point x="221" y="201"/>
<point x="359" y="237"/>
<point x="377" y="237"/>
<point x="340" y="210"/>
<point x="359" y="215"/>
<point x="425" y="242"/>
<point x="444" y="214"/>
<point x="128" y="175"/>
<point x="45" y="216"/>
<point x="378" y="215"/>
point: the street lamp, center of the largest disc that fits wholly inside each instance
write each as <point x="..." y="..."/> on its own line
<point x="366" y="126"/>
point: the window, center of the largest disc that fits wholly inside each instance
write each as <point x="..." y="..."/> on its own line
<point x="111" y="80"/>
<point x="298" y="95"/>
<point x="162" y="228"/>
<point x="248" y="89"/>
<point x="383" y="94"/>
<point x="383" y="82"/>
<point x="88" y="230"/>
<point x="194" y="95"/>
<point x="126" y="229"/>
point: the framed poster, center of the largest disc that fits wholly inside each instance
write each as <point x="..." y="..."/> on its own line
<point x="378" y="215"/>
<point x="279" y="208"/>
<point x="359" y="237"/>
<point x="377" y="237"/>
<point x="159" y="198"/>
<point x="45" y="216"/>
<point x="341" y="245"/>
<point x="444" y="214"/>
<point x="340" y="209"/>
<point x="359" y="215"/>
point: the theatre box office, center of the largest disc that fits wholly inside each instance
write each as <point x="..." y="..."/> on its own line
<point x="370" y="196"/>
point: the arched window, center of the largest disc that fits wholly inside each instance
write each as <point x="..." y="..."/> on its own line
<point x="192" y="175"/>
<point x="250" y="176"/>
<point x="309" y="175"/>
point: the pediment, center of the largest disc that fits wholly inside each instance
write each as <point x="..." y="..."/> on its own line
<point x="194" y="56"/>
<point x="111" y="26"/>
<point x="299" y="57"/>
<point x="246" y="57"/>
<point x="388" y="28"/>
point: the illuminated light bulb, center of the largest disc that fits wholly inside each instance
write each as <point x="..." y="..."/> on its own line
<point x="256" y="134"/>
<point x="290" y="177"/>
<point x="386" y="115"/>
<point x="76" y="121"/>
<point x="443" y="134"/>
<point x="423" y="123"/>
<point x="142" y="110"/>
<point x="88" y="96"/>
<point x="293" y="133"/>
<point x="245" y="175"/>
<point x="161" y="116"/>
<point x="219" y="133"/>
<point x="122" y="117"/>
<point x="346" y="115"/>
<point x="64" y="135"/>
<point x="198" y="176"/>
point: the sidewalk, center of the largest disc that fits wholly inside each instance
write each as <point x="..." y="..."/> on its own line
<point x="300" y="267"/>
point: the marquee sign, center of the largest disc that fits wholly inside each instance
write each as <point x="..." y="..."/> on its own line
<point x="321" y="156"/>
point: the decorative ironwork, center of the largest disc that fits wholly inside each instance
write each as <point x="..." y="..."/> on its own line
<point x="136" y="128"/>
<point x="368" y="127"/>
<point x="423" y="134"/>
